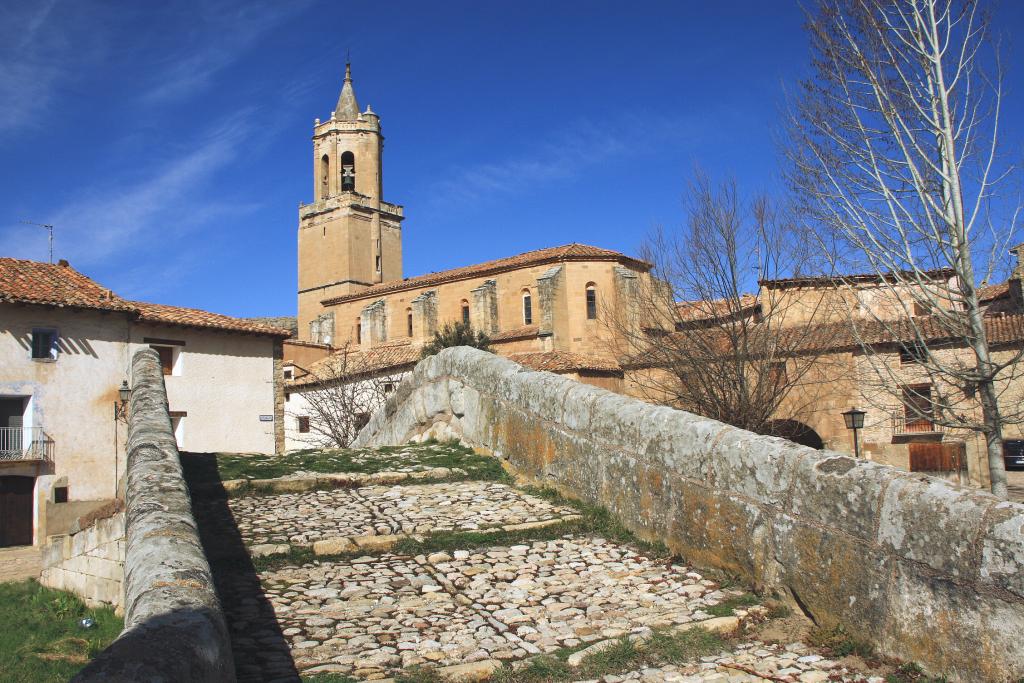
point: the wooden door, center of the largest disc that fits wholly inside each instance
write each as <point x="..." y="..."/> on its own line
<point x="944" y="456"/>
<point x="16" y="510"/>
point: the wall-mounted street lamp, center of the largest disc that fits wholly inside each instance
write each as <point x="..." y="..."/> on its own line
<point x="121" y="407"/>
<point x="854" y="420"/>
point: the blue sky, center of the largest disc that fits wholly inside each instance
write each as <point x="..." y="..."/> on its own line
<point x="169" y="142"/>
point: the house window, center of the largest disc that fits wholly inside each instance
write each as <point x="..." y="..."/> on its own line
<point x="60" y="494"/>
<point x="166" y="354"/>
<point x="359" y="332"/>
<point x="287" y="373"/>
<point x="918" y="408"/>
<point x="465" y="312"/>
<point x="408" y="321"/>
<point x="303" y="424"/>
<point x="913" y="353"/>
<point x="44" y="344"/>
<point x="389" y="387"/>
<point x="527" y="308"/>
<point x="591" y="301"/>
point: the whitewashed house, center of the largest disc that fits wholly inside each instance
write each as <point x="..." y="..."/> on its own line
<point x="66" y="344"/>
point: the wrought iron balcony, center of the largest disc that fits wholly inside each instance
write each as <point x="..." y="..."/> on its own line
<point x="903" y="424"/>
<point x="17" y="443"/>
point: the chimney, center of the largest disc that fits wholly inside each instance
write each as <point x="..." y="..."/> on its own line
<point x="63" y="263"/>
<point x="1016" y="278"/>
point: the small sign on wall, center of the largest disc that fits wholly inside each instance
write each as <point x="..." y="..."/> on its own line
<point x="266" y="418"/>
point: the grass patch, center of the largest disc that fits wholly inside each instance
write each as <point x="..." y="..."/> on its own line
<point x="295" y="556"/>
<point x="41" y="639"/>
<point x="593" y="521"/>
<point x="419" y="674"/>
<point x="911" y="673"/>
<point x="727" y="607"/>
<point x="839" y="643"/>
<point x="362" y="461"/>
<point x="599" y="521"/>
<point x="663" y="647"/>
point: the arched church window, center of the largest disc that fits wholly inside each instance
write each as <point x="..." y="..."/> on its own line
<point x="591" y="301"/>
<point x="465" y="312"/>
<point x="527" y="308"/>
<point x="408" y="317"/>
<point x="325" y="176"/>
<point x="348" y="172"/>
<point x="359" y="330"/>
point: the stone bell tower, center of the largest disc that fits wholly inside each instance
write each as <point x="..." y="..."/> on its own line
<point x="349" y="237"/>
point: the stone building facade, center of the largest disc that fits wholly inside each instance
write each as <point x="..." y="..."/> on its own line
<point x="65" y="346"/>
<point x="351" y="290"/>
<point x="562" y="309"/>
<point x="838" y="369"/>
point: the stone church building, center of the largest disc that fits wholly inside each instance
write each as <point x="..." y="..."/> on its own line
<point x="540" y="307"/>
<point x="552" y="309"/>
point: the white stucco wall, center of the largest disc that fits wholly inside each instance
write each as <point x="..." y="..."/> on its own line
<point x="223" y="381"/>
<point x="72" y="398"/>
<point x="296" y="405"/>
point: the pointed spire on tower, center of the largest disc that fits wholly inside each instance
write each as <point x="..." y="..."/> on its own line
<point x="348" y="107"/>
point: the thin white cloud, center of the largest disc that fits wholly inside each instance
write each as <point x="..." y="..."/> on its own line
<point x="566" y="155"/>
<point x="223" y="32"/>
<point x="127" y="220"/>
<point x="31" y="61"/>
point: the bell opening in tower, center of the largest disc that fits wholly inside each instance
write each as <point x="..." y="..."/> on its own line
<point x="348" y="172"/>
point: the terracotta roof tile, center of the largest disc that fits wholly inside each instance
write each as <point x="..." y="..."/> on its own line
<point x="392" y="356"/>
<point x="48" y="284"/>
<point x="817" y="280"/>
<point x="524" y="332"/>
<point x="563" y="361"/>
<point x="284" y="322"/>
<point x="710" y="310"/>
<point x="991" y="292"/>
<point x="835" y="337"/>
<point x="193" y="317"/>
<point x="568" y="252"/>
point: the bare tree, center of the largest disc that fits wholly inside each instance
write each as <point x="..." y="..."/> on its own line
<point x="894" y="159"/>
<point x="695" y="340"/>
<point x="338" y="397"/>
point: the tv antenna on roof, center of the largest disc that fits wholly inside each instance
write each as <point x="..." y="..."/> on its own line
<point x="49" y="229"/>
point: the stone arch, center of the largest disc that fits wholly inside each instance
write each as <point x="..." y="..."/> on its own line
<point x="325" y="176"/>
<point x="348" y="172"/>
<point x="797" y="432"/>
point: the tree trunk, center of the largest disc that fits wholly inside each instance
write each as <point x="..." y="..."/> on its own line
<point x="993" y="439"/>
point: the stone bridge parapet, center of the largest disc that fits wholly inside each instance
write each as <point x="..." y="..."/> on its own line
<point x="928" y="572"/>
<point x="174" y="626"/>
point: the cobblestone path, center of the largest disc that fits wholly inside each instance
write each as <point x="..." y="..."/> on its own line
<point x="372" y="616"/>
<point x="303" y="518"/>
<point x="752" y="661"/>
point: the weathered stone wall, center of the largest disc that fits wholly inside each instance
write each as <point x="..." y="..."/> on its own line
<point x="930" y="572"/>
<point x="174" y="626"/>
<point x="88" y="562"/>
